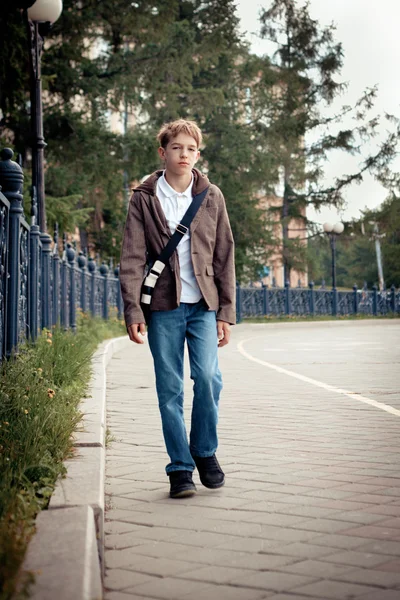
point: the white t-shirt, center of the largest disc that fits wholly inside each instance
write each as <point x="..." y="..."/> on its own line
<point x="174" y="205"/>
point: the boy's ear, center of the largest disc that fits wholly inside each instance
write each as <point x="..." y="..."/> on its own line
<point x="161" y="152"/>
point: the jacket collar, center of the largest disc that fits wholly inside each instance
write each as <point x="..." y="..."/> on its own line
<point x="149" y="186"/>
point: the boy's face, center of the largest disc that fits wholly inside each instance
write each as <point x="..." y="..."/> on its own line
<point x="180" y="155"/>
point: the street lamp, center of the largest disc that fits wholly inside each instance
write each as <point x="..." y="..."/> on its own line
<point x="39" y="16"/>
<point x="332" y="231"/>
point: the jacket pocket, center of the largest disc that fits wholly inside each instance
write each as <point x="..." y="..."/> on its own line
<point x="210" y="270"/>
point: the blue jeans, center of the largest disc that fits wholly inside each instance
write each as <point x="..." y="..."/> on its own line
<point x="167" y="332"/>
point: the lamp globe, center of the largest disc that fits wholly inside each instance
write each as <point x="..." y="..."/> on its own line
<point x="45" y="11"/>
<point x="338" y="228"/>
<point x="328" y="227"/>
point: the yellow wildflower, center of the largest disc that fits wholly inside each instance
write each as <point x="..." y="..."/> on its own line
<point x="51" y="393"/>
<point x="26" y="411"/>
<point x="49" y="341"/>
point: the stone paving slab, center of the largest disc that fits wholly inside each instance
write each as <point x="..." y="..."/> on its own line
<point x="311" y="505"/>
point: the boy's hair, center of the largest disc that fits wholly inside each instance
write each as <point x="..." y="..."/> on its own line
<point x="169" y="131"/>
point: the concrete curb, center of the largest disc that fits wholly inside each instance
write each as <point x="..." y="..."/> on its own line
<point x="64" y="554"/>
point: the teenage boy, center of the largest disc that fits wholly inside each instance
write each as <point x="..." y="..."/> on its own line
<point x="193" y="300"/>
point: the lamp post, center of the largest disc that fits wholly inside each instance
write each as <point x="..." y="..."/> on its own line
<point x="39" y="16"/>
<point x="332" y="231"/>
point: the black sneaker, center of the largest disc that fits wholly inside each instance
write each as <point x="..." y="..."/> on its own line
<point x="211" y="474"/>
<point x="181" y="484"/>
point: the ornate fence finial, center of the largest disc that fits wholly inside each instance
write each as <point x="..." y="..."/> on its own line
<point x="11" y="176"/>
<point x="91" y="265"/>
<point x="70" y="253"/>
<point x="104" y="268"/>
<point x="81" y="260"/>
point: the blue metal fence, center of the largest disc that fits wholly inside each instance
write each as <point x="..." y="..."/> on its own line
<point x="40" y="288"/>
<point x="275" y="302"/>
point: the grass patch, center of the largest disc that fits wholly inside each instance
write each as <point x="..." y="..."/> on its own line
<point x="110" y="438"/>
<point x="305" y="318"/>
<point x="40" y="390"/>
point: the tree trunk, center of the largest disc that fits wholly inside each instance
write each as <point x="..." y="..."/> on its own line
<point x="285" y="228"/>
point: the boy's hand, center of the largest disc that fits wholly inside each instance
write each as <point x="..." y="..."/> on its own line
<point x="224" y="333"/>
<point x="136" y="332"/>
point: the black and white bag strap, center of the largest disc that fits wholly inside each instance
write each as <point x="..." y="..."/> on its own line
<point x="181" y="229"/>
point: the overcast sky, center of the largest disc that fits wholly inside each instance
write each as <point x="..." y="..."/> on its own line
<point x="369" y="33"/>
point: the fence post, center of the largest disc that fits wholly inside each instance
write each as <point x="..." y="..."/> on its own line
<point x="56" y="279"/>
<point x="311" y="298"/>
<point x="393" y="299"/>
<point x="64" y="286"/>
<point x="374" y="300"/>
<point x="11" y="180"/>
<point x="238" y="303"/>
<point x="355" y="299"/>
<point x="104" y="273"/>
<point x="334" y="301"/>
<point x="265" y="300"/>
<point x="45" y="280"/>
<point x="34" y="267"/>
<point x="119" y="294"/>
<point x="92" y="298"/>
<point x="287" y="298"/>
<point x="82" y="266"/>
<point x="72" y="287"/>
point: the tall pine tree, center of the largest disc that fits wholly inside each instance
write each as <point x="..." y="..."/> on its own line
<point x="289" y="105"/>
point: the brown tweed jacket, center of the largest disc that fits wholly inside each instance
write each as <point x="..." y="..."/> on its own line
<point x="212" y="248"/>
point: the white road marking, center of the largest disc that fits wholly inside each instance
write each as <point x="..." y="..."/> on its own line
<point x="325" y="386"/>
<point x="336" y="344"/>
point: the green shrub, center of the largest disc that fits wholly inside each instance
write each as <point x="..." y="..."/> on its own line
<point x="40" y="390"/>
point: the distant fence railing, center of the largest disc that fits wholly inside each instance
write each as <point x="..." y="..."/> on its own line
<point x="38" y="287"/>
<point x="272" y="301"/>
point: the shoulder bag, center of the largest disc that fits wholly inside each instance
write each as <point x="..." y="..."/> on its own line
<point x="157" y="267"/>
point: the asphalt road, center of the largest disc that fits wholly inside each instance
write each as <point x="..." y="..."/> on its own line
<point x="360" y="357"/>
<point x="309" y="441"/>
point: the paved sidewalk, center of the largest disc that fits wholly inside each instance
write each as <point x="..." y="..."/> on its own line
<point x="311" y="450"/>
